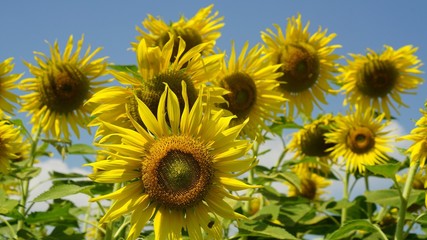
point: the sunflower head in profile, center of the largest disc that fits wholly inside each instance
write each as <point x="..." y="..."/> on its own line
<point x="7" y="83"/>
<point x="178" y="172"/>
<point x="60" y="87"/>
<point x="12" y="145"/>
<point x="360" y="140"/>
<point x="155" y="69"/>
<point x="307" y="63"/>
<point x="251" y="85"/>
<point x="418" y="135"/>
<point x="311" y="184"/>
<point x="378" y="79"/>
<point x="310" y="141"/>
<point x="203" y="27"/>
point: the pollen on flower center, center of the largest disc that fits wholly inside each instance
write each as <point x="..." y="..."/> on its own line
<point x="377" y="78"/>
<point x="360" y="140"/>
<point x="190" y="36"/>
<point x="313" y="142"/>
<point x="301" y="67"/>
<point x="242" y="94"/>
<point x="177" y="171"/>
<point x="64" y="88"/>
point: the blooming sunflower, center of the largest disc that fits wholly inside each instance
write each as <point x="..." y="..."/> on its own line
<point x="251" y="83"/>
<point x="307" y="63"/>
<point x="418" y="135"/>
<point x="177" y="172"/>
<point x="201" y="28"/>
<point x="155" y="68"/>
<point x="375" y="80"/>
<point x="12" y="146"/>
<point x="360" y="139"/>
<point x="310" y="141"/>
<point x="60" y="87"/>
<point x="311" y="185"/>
<point x="7" y="83"/>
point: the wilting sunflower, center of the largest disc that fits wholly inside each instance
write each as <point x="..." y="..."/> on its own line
<point x="311" y="185"/>
<point x="201" y="28"/>
<point x="418" y="135"/>
<point x="60" y="87"/>
<point x="307" y="63"/>
<point x="359" y="138"/>
<point x="178" y="173"/>
<point x="12" y="146"/>
<point x="7" y="83"/>
<point x="376" y="80"/>
<point x="250" y="80"/>
<point x="310" y="142"/>
<point x="155" y="69"/>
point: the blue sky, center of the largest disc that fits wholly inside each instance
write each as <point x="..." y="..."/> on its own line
<point x="25" y="25"/>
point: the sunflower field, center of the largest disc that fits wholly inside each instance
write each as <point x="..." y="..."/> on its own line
<point x="177" y="137"/>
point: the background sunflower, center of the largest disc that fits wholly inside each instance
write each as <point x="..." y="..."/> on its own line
<point x="60" y="87"/>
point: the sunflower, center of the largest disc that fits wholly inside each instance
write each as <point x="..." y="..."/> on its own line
<point x="251" y="83"/>
<point x="60" y="87"/>
<point x="12" y="146"/>
<point x="310" y="143"/>
<point x="7" y="83"/>
<point x="307" y="63"/>
<point x="201" y="28"/>
<point x="376" y="80"/>
<point x="360" y="139"/>
<point x="179" y="172"/>
<point x="418" y="150"/>
<point x="155" y="68"/>
<point x="311" y="185"/>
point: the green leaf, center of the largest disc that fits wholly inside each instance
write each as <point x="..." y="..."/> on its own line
<point x="60" y="191"/>
<point x="7" y="205"/>
<point x="350" y="226"/>
<point x="390" y="197"/>
<point x="385" y="170"/>
<point x="27" y="173"/>
<point x="124" y="68"/>
<point x="422" y="218"/>
<point x="58" y="214"/>
<point x="278" y="126"/>
<point x="81" y="149"/>
<point x="18" y="122"/>
<point x="270" y="211"/>
<point x="261" y="229"/>
<point x="64" y="233"/>
<point x="129" y="69"/>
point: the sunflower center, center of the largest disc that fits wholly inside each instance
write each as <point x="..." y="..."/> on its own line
<point x="301" y="67"/>
<point x="191" y="37"/>
<point x="177" y="171"/>
<point x="418" y="184"/>
<point x="152" y="90"/>
<point x="360" y="140"/>
<point x="308" y="188"/>
<point x="377" y="78"/>
<point x="64" y="88"/>
<point x="313" y="142"/>
<point x="242" y="96"/>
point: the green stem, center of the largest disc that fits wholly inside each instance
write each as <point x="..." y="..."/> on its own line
<point x="345" y="198"/>
<point x="25" y="183"/>
<point x="120" y="229"/>
<point x="12" y="231"/>
<point x="110" y="229"/>
<point x="369" y="205"/>
<point x="404" y="201"/>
